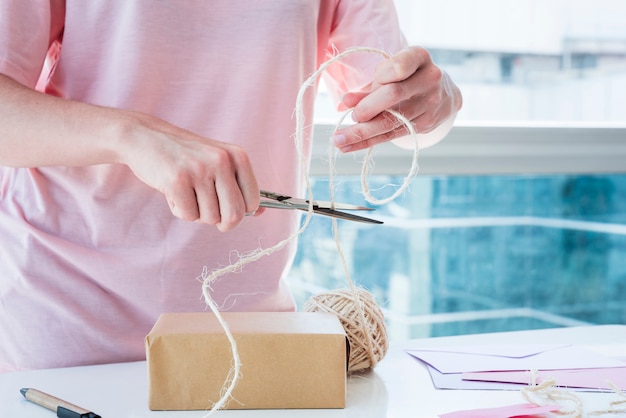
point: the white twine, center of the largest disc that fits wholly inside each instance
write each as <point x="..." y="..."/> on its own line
<point x="613" y="406"/>
<point x="208" y="278"/>
<point x="547" y="393"/>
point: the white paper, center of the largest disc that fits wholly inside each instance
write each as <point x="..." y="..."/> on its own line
<point x="512" y="357"/>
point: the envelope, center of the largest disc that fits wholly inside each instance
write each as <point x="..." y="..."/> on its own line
<point x="601" y="379"/>
<point x="503" y="357"/>
<point x="455" y="381"/>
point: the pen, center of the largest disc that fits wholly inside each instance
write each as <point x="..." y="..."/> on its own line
<point x="62" y="408"/>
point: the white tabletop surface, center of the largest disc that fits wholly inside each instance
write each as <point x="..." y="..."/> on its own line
<point x="399" y="386"/>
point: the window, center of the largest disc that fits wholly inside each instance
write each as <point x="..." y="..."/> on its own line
<point x="527" y="60"/>
<point x="518" y="219"/>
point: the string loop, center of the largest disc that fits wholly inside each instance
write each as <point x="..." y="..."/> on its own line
<point x="368" y="315"/>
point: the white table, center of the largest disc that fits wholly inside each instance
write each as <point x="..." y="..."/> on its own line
<point x="399" y="387"/>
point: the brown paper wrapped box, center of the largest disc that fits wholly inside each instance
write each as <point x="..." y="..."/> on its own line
<point x="288" y="360"/>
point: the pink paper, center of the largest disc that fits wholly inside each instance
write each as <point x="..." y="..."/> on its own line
<point x="512" y="411"/>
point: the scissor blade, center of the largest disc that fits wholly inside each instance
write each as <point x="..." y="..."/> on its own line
<point x="340" y="206"/>
<point x="343" y="215"/>
<point x="277" y="205"/>
<point x="278" y="201"/>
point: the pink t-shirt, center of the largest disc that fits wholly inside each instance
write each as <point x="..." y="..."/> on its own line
<point x="90" y="256"/>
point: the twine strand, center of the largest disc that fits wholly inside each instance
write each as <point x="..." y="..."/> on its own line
<point x="547" y="392"/>
<point x="370" y="325"/>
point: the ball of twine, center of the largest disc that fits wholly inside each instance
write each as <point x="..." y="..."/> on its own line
<point x="363" y="321"/>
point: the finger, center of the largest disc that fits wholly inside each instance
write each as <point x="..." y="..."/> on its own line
<point x="422" y="89"/>
<point x="368" y="134"/>
<point x="401" y="66"/>
<point x="385" y="97"/>
<point x="237" y="189"/>
<point x="183" y="204"/>
<point x="372" y="134"/>
<point x="382" y="123"/>
<point x="411" y="73"/>
<point x="231" y="205"/>
<point x="376" y="140"/>
<point x="351" y="99"/>
<point x="246" y="180"/>
<point x="208" y="203"/>
<point x="257" y="212"/>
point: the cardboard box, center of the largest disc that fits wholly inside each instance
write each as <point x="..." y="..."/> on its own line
<point x="289" y="360"/>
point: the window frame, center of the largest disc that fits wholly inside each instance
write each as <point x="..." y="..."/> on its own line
<point x="492" y="148"/>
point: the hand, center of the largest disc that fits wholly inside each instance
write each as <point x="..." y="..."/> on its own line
<point x="203" y="180"/>
<point x="410" y="83"/>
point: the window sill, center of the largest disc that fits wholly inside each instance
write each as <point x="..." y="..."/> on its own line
<point x="494" y="148"/>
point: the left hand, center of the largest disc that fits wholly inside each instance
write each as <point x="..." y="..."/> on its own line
<point x="408" y="82"/>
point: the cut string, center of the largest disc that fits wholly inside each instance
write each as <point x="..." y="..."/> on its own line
<point x="613" y="406"/>
<point x="358" y="302"/>
<point x="546" y="391"/>
<point x="208" y="278"/>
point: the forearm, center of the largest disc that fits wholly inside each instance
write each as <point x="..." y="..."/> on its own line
<point x="41" y="130"/>
<point x="203" y="180"/>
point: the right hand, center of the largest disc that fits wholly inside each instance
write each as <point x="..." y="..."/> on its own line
<point x="203" y="180"/>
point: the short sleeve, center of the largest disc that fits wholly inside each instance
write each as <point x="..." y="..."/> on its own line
<point x="27" y="29"/>
<point x="367" y="23"/>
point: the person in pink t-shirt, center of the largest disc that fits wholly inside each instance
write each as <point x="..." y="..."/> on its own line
<point x="134" y="138"/>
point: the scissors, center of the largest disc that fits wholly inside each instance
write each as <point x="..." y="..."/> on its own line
<point x="279" y="201"/>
